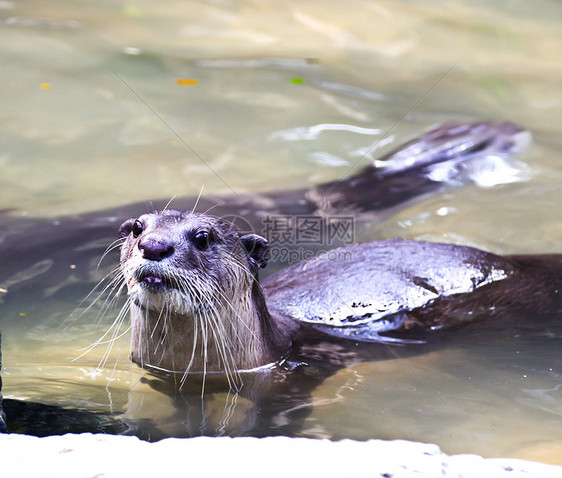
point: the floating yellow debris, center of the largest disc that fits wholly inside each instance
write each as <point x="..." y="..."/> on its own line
<point x="187" y="81"/>
<point x="45" y="86"/>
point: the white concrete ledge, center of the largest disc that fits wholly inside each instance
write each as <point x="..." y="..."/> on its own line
<point x="88" y="455"/>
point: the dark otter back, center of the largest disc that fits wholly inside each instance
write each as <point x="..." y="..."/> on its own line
<point x="363" y="291"/>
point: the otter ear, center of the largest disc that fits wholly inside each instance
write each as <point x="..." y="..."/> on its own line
<point x="126" y="228"/>
<point x="257" y="247"/>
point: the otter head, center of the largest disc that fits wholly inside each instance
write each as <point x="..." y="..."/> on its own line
<point x="187" y="262"/>
<point x="192" y="285"/>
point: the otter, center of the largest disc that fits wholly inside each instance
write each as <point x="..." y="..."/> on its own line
<point x="197" y="306"/>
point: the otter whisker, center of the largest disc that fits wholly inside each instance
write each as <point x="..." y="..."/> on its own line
<point x="168" y="203"/>
<point x="238" y="316"/>
<point x="115" y="364"/>
<point x="224" y="353"/>
<point x="117" y="285"/>
<point x="193" y="350"/>
<point x="107" y="284"/>
<point x="226" y="346"/>
<point x="100" y="341"/>
<point x="210" y="208"/>
<point x="196" y="324"/>
<point x="205" y="355"/>
<point x="198" y="199"/>
<point x="113" y="327"/>
<point x="220" y="341"/>
<point x="114" y="245"/>
<point x="111" y="342"/>
<point x="163" y="313"/>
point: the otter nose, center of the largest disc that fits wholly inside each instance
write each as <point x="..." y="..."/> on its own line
<point x="155" y="249"/>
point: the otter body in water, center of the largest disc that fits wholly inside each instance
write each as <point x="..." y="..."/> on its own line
<point x="197" y="306"/>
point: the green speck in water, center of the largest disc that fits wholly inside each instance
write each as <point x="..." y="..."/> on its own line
<point x="297" y="81"/>
<point x="498" y="87"/>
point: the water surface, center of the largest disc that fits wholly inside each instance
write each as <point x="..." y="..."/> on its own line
<point x="93" y="117"/>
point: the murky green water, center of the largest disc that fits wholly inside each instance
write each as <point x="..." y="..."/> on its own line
<point x="93" y="117"/>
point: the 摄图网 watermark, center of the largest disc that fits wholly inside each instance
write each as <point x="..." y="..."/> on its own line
<point x="294" y="238"/>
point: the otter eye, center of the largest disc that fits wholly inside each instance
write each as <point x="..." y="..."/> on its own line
<point x="202" y="239"/>
<point x="137" y="228"/>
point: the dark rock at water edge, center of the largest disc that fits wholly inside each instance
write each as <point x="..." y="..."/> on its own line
<point x="41" y="420"/>
<point x="2" y="417"/>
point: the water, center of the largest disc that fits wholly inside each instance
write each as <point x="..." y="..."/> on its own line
<point x="92" y="117"/>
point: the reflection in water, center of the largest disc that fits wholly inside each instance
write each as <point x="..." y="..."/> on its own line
<point x="87" y="143"/>
<point x="444" y="391"/>
<point x="312" y="132"/>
